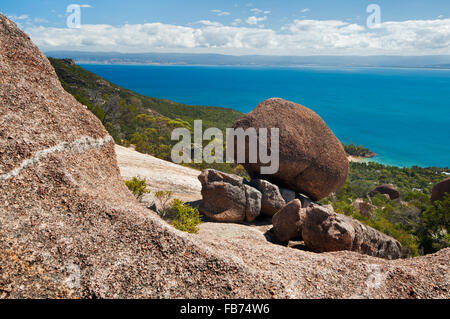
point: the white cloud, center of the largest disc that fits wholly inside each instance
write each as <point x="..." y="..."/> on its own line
<point x="254" y="20"/>
<point x="301" y="37"/>
<point x="20" y="17"/>
<point x="259" y="11"/>
<point x="40" y="20"/>
<point x="209" y="23"/>
<point x="220" y="12"/>
<point x="85" y="6"/>
<point x="305" y="10"/>
<point x="236" y="22"/>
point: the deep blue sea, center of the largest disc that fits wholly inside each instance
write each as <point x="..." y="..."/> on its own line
<point x="403" y="115"/>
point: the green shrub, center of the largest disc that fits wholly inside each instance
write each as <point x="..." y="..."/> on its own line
<point x="138" y="186"/>
<point x="164" y="198"/>
<point x="434" y="226"/>
<point x="184" y="217"/>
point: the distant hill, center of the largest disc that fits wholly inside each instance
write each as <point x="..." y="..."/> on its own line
<point x="442" y="61"/>
<point x="133" y="118"/>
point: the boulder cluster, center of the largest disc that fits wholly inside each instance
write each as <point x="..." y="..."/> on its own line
<point x="230" y="198"/>
<point x="312" y="164"/>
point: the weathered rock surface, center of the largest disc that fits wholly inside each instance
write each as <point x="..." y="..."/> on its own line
<point x="160" y="175"/>
<point x="440" y="189"/>
<point x="272" y="200"/>
<point x="287" y="223"/>
<point x="70" y="228"/>
<point x="312" y="160"/>
<point x="324" y="230"/>
<point x="386" y="189"/>
<point x="227" y="199"/>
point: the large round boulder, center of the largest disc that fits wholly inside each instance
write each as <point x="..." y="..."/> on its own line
<point x="440" y="189"/>
<point x="312" y="160"/>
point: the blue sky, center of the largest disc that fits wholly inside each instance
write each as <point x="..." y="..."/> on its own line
<point x="182" y="12"/>
<point x="226" y="26"/>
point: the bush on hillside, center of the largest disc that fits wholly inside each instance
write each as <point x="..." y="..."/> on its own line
<point x="434" y="227"/>
<point x="184" y="217"/>
<point x="138" y="186"/>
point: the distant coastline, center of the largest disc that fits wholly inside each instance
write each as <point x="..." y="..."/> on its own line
<point x="447" y="68"/>
<point x="359" y="159"/>
<point x="441" y="62"/>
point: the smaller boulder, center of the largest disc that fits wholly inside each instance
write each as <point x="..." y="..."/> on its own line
<point x="440" y="189"/>
<point x="272" y="200"/>
<point x="287" y="223"/>
<point x="227" y="199"/>
<point x="386" y="189"/>
<point x="324" y="230"/>
<point x="253" y="203"/>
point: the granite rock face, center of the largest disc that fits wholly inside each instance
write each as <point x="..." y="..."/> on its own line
<point x="324" y="230"/>
<point x="312" y="160"/>
<point x="69" y="226"/>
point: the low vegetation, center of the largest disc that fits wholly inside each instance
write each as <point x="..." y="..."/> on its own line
<point x="420" y="226"/>
<point x="138" y="186"/>
<point x="180" y="215"/>
<point x="184" y="217"/>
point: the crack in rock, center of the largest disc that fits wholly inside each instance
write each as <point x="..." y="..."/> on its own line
<point x="80" y="145"/>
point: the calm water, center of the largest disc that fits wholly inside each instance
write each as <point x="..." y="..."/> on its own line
<point x="401" y="114"/>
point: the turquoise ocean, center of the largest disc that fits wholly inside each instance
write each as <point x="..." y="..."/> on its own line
<point x="403" y="115"/>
